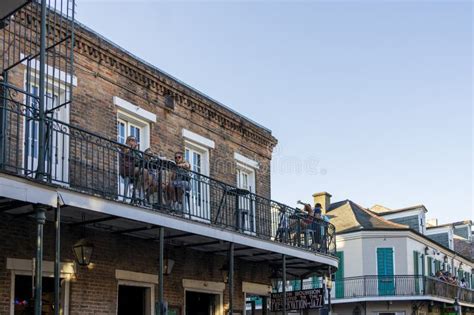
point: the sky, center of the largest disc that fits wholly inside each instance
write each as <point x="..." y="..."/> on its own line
<point x="369" y="100"/>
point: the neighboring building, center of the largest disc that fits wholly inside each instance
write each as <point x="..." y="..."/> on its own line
<point x="224" y="219"/>
<point x="389" y="258"/>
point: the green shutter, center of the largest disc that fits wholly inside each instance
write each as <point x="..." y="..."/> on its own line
<point x="339" y="276"/>
<point x="386" y="283"/>
<point x="415" y="262"/>
<point x="430" y="266"/>
<point x="416" y="270"/>
<point x="423" y="265"/>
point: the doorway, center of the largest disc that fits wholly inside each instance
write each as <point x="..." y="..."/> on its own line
<point x="199" y="303"/>
<point x="133" y="300"/>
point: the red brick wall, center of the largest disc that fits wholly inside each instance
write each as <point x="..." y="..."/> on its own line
<point x="94" y="291"/>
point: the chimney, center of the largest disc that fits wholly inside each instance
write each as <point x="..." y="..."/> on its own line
<point x="431" y="222"/>
<point x="323" y="198"/>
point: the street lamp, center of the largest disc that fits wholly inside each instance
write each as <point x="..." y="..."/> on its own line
<point x="225" y="273"/>
<point x="168" y="264"/>
<point x="83" y="250"/>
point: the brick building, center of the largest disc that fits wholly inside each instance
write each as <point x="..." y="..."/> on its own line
<point x="211" y="250"/>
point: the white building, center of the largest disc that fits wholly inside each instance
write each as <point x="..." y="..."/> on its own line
<point x="389" y="258"/>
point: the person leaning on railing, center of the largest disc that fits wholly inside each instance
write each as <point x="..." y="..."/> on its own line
<point x="181" y="180"/>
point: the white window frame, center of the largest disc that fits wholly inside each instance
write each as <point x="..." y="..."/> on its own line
<point x="24" y="267"/>
<point x="138" y="279"/>
<point x="136" y="121"/>
<point x="204" y="152"/>
<point x="240" y="167"/>
<point x="52" y="85"/>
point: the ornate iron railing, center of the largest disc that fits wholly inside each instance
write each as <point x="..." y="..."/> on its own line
<point x="403" y="285"/>
<point x="87" y="162"/>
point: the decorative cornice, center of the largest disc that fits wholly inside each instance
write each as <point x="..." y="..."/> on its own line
<point x="148" y="78"/>
<point x="93" y="47"/>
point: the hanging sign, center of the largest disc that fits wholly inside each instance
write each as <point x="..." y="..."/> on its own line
<point x="298" y="300"/>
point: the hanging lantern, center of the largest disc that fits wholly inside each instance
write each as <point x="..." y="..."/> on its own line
<point x="83" y="252"/>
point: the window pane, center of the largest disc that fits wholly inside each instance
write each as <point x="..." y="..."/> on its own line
<point x="121" y="132"/>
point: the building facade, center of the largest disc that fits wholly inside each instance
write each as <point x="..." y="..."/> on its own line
<point x="207" y="247"/>
<point x="389" y="262"/>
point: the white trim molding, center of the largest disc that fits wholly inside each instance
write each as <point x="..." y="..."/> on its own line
<point x="136" y="276"/>
<point x="134" y="109"/>
<point x="245" y="160"/>
<point x="256" y="288"/>
<point x="208" y="143"/>
<point x="51" y="71"/>
<point x="204" y="286"/>
<point x="48" y="266"/>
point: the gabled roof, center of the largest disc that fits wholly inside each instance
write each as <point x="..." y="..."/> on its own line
<point x="347" y="216"/>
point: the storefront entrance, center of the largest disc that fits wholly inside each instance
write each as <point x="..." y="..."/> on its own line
<point x="199" y="303"/>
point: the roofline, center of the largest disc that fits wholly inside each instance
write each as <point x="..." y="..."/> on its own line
<point x="402" y="210"/>
<point x="452" y="224"/>
<point x="171" y="77"/>
<point x="408" y="230"/>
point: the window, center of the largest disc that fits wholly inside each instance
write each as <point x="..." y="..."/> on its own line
<point x="245" y="169"/>
<point x="246" y="181"/>
<point x="198" y="197"/>
<point x="132" y="126"/>
<point x="56" y="159"/>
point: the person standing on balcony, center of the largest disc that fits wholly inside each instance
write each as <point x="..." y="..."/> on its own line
<point x="317" y="210"/>
<point x="131" y="166"/>
<point x="181" y="182"/>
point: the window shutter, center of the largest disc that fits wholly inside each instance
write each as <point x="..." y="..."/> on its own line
<point x="415" y="263"/>
<point x="430" y="266"/>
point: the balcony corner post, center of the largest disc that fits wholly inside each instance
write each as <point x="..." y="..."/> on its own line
<point x="284" y="284"/>
<point x="40" y="220"/>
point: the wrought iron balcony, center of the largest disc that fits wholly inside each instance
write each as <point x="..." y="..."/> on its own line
<point x="83" y="161"/>
<point x="409" y="286"/>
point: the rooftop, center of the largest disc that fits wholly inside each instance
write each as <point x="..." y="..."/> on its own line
<point x="348" y="216"/>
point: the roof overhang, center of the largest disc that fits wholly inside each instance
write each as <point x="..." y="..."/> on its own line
<point x="8" y="7"/>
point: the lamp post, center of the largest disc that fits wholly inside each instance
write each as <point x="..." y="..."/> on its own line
<point x="329" y="287"/>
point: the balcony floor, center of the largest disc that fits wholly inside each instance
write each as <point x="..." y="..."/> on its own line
<point x="116" y="217"/>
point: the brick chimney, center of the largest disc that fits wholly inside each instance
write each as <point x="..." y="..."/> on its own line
<point x="323" y="198"/>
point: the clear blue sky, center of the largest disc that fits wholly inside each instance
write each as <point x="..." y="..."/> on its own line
<point x="370" y="100"/>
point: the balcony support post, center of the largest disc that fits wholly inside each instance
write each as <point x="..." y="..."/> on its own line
<point x="160" y="306"/>
<point x="40" y="220"/>
<point x="231" y="278"/>
<point x="40" y="171"/>
<point x="284" y="284"/>
<point x="3" y="119"/>
<point x="57" y="260"/>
